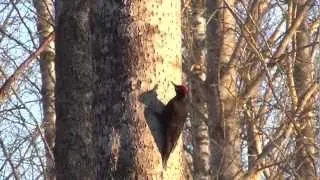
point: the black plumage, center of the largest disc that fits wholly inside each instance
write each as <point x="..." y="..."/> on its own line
<point x="174" y="116"/>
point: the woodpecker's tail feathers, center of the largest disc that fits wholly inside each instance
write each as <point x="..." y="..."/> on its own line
<point x="164" y="163"/>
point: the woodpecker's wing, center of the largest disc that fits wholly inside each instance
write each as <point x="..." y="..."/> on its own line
<point x="174" y="117"/>
<point x="166" y="118"/>
<point x="167" y="113"/>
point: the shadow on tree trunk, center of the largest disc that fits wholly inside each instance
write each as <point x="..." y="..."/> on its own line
<point x="152" y="112"/>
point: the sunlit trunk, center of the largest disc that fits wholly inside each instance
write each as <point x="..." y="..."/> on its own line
<point x="223" y="122"/>
<point x="201" y="151"/>
<point x="45" y="28"/>
<point x="304" y="79"/>
<point x="115" y="64"/>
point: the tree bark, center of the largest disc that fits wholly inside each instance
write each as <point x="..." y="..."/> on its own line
<point x="137" y="47"/>
<point x="115" y="61"/>
<point x="224" y="126"/>
<point x="74" y="152"/>
<point x="201" y="153"/>
<point x="304" y="78"/>
<point x="44" y="10"/>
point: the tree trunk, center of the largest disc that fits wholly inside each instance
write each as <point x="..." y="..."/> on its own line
<point x="115" y="61"/>
<point x="74" y="152"/>
<point x="252" y="121"/>
<point x="224" y="125"/>
<point x="44" y="10"/>
<point x="137" y="47"/>
<point x="304" y="73"/>
<point x="201" y="153"/>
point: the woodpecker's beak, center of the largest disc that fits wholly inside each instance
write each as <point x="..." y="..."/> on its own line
<point x="175" y="86"/>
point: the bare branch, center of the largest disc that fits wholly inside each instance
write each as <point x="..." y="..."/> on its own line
<point x="11" y="82"/>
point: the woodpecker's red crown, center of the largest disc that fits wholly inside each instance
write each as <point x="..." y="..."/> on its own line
<point x="181" y="89"/>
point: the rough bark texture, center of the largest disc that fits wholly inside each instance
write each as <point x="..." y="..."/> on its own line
<point x="136" y="47"/>
<point x="224" y="125"/>
<point x="201" y="153"/>
<point x="115" y="61"/>
<point x="74" y="153"/>
<point x="304" y="78"/>
<point x="45" y="14"/>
